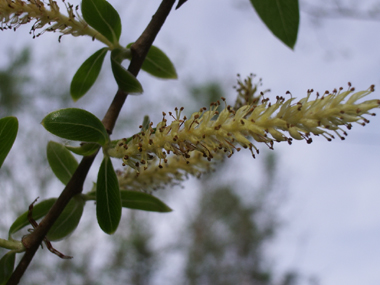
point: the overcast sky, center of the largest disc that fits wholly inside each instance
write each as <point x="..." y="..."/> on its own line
<point x="332" y="210"/>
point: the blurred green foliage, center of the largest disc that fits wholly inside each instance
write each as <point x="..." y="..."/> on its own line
<point x="223" y="241"/>
<point x="12" y="82"/>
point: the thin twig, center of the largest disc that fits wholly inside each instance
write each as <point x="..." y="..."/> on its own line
<point x="75" y="185"/>
<point x="46" y="241"/>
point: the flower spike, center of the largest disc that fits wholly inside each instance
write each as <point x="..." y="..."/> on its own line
<point x="211" y="134"/>
<point x="47" y="16"/>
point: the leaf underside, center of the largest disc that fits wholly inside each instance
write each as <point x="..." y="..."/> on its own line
<point x="108" y="201"/>
<point x="8" y="133"/>
<point x="100" y="15"/>
<point x="281" y="17"/>
<point x="158" y="64"/>
<point x="61" y="161"/>
<point x="87" y="74"/>
<point x="125" y="79"/>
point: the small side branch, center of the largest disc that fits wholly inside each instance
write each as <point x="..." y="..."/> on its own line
<point x="46" y="241"/>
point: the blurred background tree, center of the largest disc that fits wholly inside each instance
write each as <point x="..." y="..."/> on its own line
<point x="223" y="240"/>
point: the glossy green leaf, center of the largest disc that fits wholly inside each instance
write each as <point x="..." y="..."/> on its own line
<point x="281" y="17"/>
<point x="108" y="202"/>
<point x="84" y="149"/>
<point x="142" y="201"/>
<point x="61" y="161"/>
<point x="139" y="201"/>
<point x="63" y="226"/>
<point x="100" y="15"/>
<point x="69" y="219"/>
<point x="76" y="124"/>
<point x="125" y="80"/>
<point x="87" y="74"/>
<point x="158" y="64"/>
<point x="7" y="263"/>
<point x="8" y="133"/>
<point x="39" y="210"/>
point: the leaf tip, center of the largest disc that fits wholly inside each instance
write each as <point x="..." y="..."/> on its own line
<point x="74" y="98"/>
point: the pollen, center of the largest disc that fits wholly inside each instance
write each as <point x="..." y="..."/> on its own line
<point x="217" y="132"/>
<point x="47" y="17"/>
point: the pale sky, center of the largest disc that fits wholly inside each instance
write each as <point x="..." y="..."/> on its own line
<point x="332" y="212"/>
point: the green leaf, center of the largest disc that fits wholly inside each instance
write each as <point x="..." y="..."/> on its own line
<point x="63" y="226"/>
<point x="158" y="64"/>
<point x="7" y="263"/>
<point x="69" y="219"/>
<point x="8" y="133"/>
<point x="84" y="149"/>
<point x="87" y="74"/>
<point x="142" y="201"/>
<point x="108" y="203"/>
<point x="145" y="123"/>
<point x="39" y="210"/>
<point x="100" y="15"/>
<point x="125" y="80"/>
<point x="76" y="124"/>
<point x="138" y="201"/>
<point x="281" y="17"/>
<point x="61" y="161"/>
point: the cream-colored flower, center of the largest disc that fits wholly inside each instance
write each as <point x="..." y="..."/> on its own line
<point x="46" y="16"/>
<point x="154" y="177"/>
<point x="216" y="134"/>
